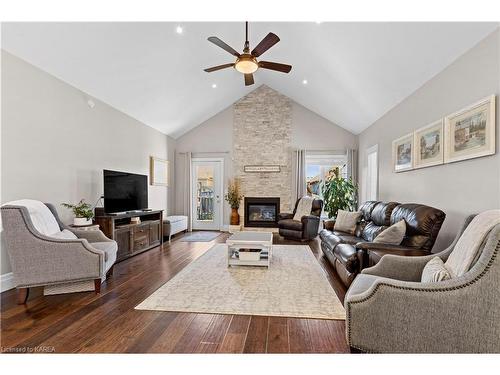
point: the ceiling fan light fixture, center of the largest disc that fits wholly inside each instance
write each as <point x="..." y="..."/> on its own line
<point x="246" y="64"/>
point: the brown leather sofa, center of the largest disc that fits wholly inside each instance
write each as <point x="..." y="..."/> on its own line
<point x="305" y="229"/>
<point x="349" y="253"/>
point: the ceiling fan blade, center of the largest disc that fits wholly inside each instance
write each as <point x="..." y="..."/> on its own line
<point x="249" y="79"/>
<point x="266" y="43"/>
<point x="223" y="45"/>
<point x="284" y="68"/>
<point x="218" y="67"/>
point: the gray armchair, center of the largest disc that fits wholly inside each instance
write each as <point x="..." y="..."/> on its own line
<point x="39" y="259"/>
<point x="389" y="310"/>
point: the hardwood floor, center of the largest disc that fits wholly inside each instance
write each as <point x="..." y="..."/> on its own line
<point x="108" y="323"/>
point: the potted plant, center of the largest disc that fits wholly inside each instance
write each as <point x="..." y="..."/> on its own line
<point x="339" y="194"/>
<point x="83" y="213"/>
<point x="234" y="197"/>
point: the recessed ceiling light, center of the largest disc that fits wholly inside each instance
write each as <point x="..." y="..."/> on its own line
<point x="304" y="81"/>
<point x="214" y="85"/>
<point x="318" y="22"/>
<point x="178" y="29"/>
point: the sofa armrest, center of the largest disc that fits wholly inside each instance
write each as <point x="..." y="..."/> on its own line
<point x="399" y="267"/>
<point x="284" y="216"/>
<point x="391" y="315"/>
<point x="310" y="226"/>
<point x="91" y="235"/>
<point x="390" y="249"/>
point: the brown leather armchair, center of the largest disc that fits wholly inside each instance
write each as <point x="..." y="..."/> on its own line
<point x="305" y="229"/>
<point x="350" y="253"/>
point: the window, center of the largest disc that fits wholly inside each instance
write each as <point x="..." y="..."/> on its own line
<point x="321" y="167"/>
<point x="371" y="183"/>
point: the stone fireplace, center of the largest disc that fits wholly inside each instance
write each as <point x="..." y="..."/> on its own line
<point x="262" y="131"/>
<point x="261" y="212"/>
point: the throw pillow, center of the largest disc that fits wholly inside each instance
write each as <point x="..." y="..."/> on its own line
<point x="435" y="271"/>
<point x="393" y="235"/>
<point x="346" y="221"/>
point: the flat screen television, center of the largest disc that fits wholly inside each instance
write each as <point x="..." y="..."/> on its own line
<point x="124" y="191"/>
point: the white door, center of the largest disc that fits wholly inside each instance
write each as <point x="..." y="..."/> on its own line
<point x="371" y="183"/>
<point x="207" y="193"/>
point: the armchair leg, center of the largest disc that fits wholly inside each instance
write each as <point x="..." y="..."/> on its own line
<point x="22" y="295"/>
<point x="110" y="271"/>
<point x="97" y="286"/>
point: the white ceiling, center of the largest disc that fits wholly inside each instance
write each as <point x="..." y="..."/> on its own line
<point x="356" y="72"/>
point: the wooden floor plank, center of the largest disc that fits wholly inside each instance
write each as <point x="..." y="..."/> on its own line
<point x="234" y="340"/>
<point x="256" y="340"/>
<point x="277" y="336"/>
<point x="108" y="322"/>
<point x="214" y="335"/>
<point x="299" y="336"/>
<point x="194" y="334"/>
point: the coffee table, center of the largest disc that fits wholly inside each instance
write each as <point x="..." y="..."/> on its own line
<point x="250" y="240"/>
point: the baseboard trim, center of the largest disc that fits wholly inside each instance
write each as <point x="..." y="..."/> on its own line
<point x="6" y="282"/>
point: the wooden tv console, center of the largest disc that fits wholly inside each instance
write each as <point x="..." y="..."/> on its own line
<point x="132" y="238"/>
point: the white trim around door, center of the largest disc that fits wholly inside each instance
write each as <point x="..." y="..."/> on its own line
<point x="214" y="198"/>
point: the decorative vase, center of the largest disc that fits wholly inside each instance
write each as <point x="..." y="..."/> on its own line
<point x="235" y="217"/>
<point x="81" y="221"/>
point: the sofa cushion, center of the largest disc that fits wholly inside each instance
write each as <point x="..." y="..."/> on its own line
<point x="435" y="271"/>
<point x="361" y="284"/>
<point x="109" y="248"/>
<point x="40" y="215"/>
<point x="290" y="224"/>
<point x="175" y="218"/>
<point x="422" y="221"/>
<point x="367" y="208"/>
<point x="346" y="221"/>
<point x="392" y="235"/>
<point x="371" y="231"/>
<point x="381" y="213"/>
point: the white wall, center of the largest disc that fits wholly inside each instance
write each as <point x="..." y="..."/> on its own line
<point x="309" y="131"/>
<point x="54" y="146"/>
<point x="461" y="188"/>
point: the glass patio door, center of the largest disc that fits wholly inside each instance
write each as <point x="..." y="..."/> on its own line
<point x="207" y="194"/>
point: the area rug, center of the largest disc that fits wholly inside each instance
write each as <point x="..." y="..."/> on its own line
<point x="294" y="286"/>
<point x="201" y="236"/>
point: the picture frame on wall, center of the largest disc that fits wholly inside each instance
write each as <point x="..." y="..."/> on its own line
<point x="402" y="153"/>
<point x="158" y="171"/>
<point x="429" y="145"/>
<point x="470" y="132"/>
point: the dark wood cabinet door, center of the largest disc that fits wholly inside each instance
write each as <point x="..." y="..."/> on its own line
<point x="154" y="233"/>
<point x="124" y="241"/>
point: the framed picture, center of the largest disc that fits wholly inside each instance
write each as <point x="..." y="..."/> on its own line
<point x="429" y="148"/>
<point x="158" y="170"/>
<point x="470" y="133"/>
<point x="402" y="153"/>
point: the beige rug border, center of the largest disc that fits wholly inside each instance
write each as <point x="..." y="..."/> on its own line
<point x="221" y="312"/>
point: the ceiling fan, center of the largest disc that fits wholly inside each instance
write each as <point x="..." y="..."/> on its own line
<point x="246" y="62"/>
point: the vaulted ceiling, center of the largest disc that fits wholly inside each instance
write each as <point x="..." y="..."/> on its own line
<point x="355" y="72"/>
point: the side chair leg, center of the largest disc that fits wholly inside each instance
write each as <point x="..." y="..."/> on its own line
<point x="22" y="295"/>
<point x="97" y="286"/>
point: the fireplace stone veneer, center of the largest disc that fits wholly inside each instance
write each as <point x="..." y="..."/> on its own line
<point x="261" y="212"/>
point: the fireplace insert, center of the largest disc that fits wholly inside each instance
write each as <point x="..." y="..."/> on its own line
<point x="262" y="212"/>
